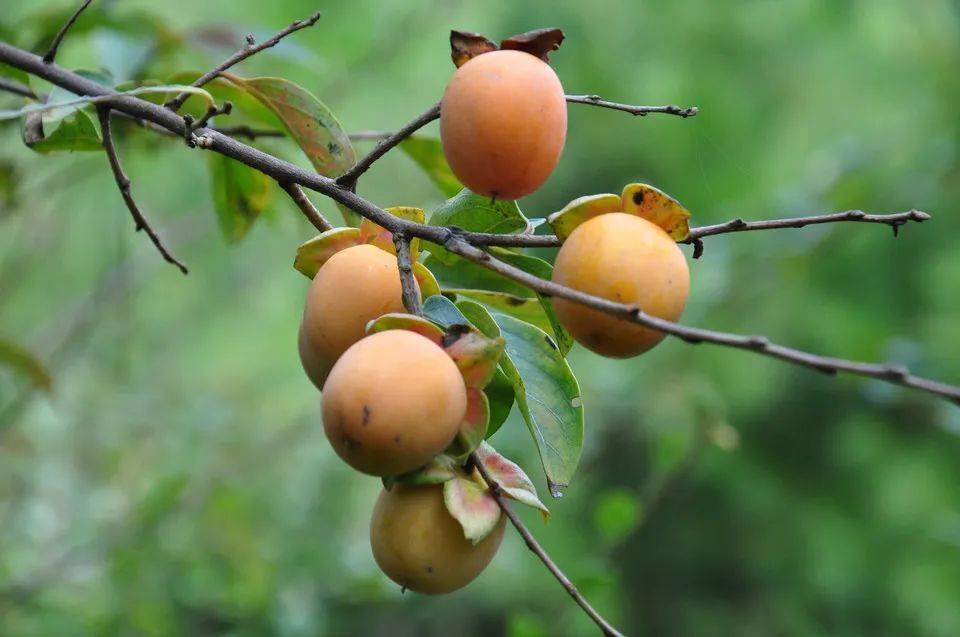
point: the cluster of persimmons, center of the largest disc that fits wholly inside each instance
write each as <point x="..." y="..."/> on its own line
<point x="393" y="399"/>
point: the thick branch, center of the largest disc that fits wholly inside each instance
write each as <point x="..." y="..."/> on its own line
<point x="251" y="49"/>
<point x="306" y="207"/>
<point x="539" y="551"/>
<point x="123" y="183"/>
<point x="350" y="177"/>
<point x="596" y="100"/>
<point x="51" y="53"/>
<point x="11" y="86"/>
<point x="408" y="283"/>
<point x="454" y="240"/>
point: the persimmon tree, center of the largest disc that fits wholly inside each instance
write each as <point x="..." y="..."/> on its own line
<point x="423" y="331"/>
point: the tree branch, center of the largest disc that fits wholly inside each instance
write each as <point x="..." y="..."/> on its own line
<point x="51" y="53"/>
<point x="539" y="551"/>
<point x="306" y="206"/>
<point x="453" y="239"/>
<point x="739" y="225"/>
<point x="123" y="183"/>
<point x="408" y="283"/>
<point x="251" y="49"/>
<point x="349" y="178"/>
<point x="16" y="88"/>
<point x="642" y="111"/>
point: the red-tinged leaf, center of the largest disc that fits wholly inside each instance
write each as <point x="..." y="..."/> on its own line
<point x="471" y="504"/>
<point x="309" y="121"/>
<point x="476" y="355"/>
<point x="512" y="480"/>
<point x="465" y="45"/>
<point x="410" y="322"/>
<point x="581" y="209"/>
<point x="539" y="42"/>
<point x="314" y="253"/>
<point x="439" y="470"/>
<point x="379" y="236"/>
<point x="658" y="207"/>
<point x="425" y="279"/>
<point x="473" y="429"/>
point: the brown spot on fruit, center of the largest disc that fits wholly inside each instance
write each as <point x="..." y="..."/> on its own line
<point x="414" y="388"/>
<point x="418" y="544"/>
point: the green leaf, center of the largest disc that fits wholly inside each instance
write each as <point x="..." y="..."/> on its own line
<point x="499" y="393"/>
<point x="540" y="268"/>
<point x="240" y="194"/>
<point x="525" y="308"/>
<point x="91" y="99"/>
<point x="74" y="131"/>
<point x="545" y="388"/>
<point x="25" y="364"/>
<point x="437" y="471"/>
<point x="466" y="274"/>
<point x="410" y="322"/>
<point x="427" y="152"/>
<point x="471" y="211"/>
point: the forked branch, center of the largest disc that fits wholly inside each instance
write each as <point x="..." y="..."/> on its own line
<point x="51" y="53"/>
<point x="596" y="100"/>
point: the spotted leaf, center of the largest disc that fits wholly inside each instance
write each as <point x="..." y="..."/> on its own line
<point x="658" y="207"/>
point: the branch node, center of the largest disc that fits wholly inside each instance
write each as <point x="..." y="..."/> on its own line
<point x="251" y="41"/>
<point x="758" y="342"/>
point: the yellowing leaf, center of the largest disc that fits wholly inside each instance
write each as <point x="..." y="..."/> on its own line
<point x="375" y="234"/>
<point x="581" y="209"/>
<point x="425" y="279"/>
<point x="314" y="253"/>
<point x="658" y="207"/>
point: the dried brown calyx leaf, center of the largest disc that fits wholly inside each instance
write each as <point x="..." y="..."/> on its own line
<point x="539" y="42"/>
<point x="465" y="45"/>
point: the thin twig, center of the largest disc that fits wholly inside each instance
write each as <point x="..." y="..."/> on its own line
<point x="306" y="207"/>
<point x="350" y="177"/>
<point x="408" y="283"/>
<point x="11" y="86"/>
<point x="453" y="239"/>
<point x="894" y="220"/>
<point x="123" y="183"/>
<point x="894" y="374"/>
<point x="250" y="49"/>
<point x="51" y="53"/>
<point x="539" y="551"/>
<point x="596" y="100"/>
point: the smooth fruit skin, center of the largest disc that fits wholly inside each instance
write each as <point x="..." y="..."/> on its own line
<point x="627" y="259"/>
<point x="353" y="287"/>
<point x="503" y="121"/>
<point x="392" y="402"/>
<point x="420" y="546"/>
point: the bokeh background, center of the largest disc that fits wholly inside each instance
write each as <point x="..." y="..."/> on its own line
<point x="176" y="480"/>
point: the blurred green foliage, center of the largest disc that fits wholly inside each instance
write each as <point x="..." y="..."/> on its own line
<point x="176" y="480"/>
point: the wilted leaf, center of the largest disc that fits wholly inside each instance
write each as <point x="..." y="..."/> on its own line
<point x="658" y="207"/>
<point x="240" y="194"/>
<point x="427" y="152"/>
<point x="581" y="209"/>
<point x="410" y="322"/>
<point x="539" y="42"/>
<point x="470" y="211"/>
<point x="25" y="364"/>
<point x="312" y="254"/>
<point x="512" y="480"/>
<point x="472" y="506"/>
<point x="465" y="45"/>
<point x="476" y="355"/>
<point x="473" y="429"/>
